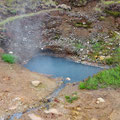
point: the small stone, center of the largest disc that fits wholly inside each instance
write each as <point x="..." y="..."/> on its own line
<point x="11" y="52"/>
<point x="34" y="117"/>
<point x="97" y="102"/>
<point x="78" y="108"/>
<point x="64" y="6"/>
<point x="54" y="111"/>
<point x="68" y="79"/>
<point x="81" y="49"/>
<point x="84" y="23"/>
<point x="36" y="83"/>
<point x="42" y="48"/>
<point x="100" y="100"/>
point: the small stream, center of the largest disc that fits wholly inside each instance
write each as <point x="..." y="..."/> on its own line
<point x="58" y="67"/>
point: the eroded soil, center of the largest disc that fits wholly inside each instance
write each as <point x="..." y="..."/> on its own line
<point x="16" y="90"/>
<point x="85" y="108"/>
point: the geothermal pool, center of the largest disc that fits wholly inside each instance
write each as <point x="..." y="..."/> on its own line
<point x="61" y="67"/>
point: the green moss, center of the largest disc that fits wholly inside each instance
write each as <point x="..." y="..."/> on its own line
<point x="110" y="2"/>
<point x="109" y="61"/>
<point x="10" y="19"/>
<point x="82" y="85"/>
<point x="79" y="46"/>
<point x="113" y="13"/>
<point x="70" y="99"/>
<point x="78" y="3"/>
<point x="105" y="78"/>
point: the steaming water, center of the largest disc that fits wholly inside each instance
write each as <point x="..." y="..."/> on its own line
<point x="61" y="67"/>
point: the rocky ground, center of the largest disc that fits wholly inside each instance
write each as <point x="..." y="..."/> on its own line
<point x="21" y="89"/>
<point x="100" y="104"/>
<point x="86" y="31"/>
<point x="83" y="33"/>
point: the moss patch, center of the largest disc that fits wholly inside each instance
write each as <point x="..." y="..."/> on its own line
<point x="106" y="78"/>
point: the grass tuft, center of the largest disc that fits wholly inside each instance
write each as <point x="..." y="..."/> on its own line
<point x="104" y="79"/>
<point x="8" y="58"/>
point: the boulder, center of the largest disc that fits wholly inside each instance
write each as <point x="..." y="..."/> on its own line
<point x="64" y="6"/>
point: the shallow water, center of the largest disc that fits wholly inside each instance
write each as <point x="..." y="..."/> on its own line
<point x="61" y="67"/>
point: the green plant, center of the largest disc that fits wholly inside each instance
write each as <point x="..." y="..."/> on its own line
<point x="113" y="13"/>
<point x="101" y="18"/>
<point x="79" y="45"/>
<point x="103" y="79"/>
<point x="109" y="61"/>
<point x="82" y="85"/>
<point x="97" y="46"/>
<point x="70" y="99"/>
<point x="8" y="58"/>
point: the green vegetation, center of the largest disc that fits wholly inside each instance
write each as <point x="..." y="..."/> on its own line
<point x="101" y="18"/>
<point x="104" y="79"/>
<point x="113" y="13"/>
<point x="72" y="98"/>
<point x="83" y="24"/>
<point x="97" y="46"/>
<point x="10" y="19"/>
<point x="106" y="51"/>
<point x="110" y="2"/>
<point x="79" y="46"/>
<point x="8" y="58"/>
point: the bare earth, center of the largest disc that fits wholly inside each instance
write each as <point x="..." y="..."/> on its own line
<point x="16" y="90"/>
<point x="85" y="108"/>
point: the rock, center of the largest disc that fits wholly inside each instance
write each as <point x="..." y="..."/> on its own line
<point x="78" y="109"/>
<point x="36" y="83"/>
<point x="34" y="117"/>
<point x="68" y="79"/>
<point x="102" y="57"/>
<point x="54" y="111"/>
<point x="100" y="100"/>
<point x="64" y="6"/>
<point x="11" y="52"/>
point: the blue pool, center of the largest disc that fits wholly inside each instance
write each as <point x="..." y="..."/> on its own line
<point x="61" y="67"/>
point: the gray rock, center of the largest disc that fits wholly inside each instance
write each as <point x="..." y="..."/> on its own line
<point x="64" y="6"/>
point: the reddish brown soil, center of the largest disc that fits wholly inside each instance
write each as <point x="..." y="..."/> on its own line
<point x="16" y="91"/>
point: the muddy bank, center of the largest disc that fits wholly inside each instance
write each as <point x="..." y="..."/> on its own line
<point x="17" y="89"/>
